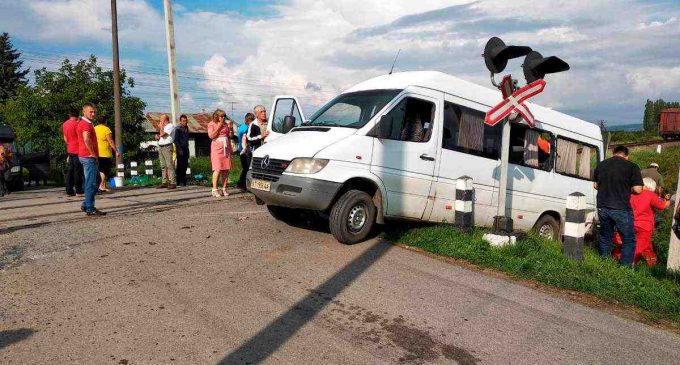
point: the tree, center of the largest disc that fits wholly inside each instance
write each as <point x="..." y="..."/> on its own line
<point x="650" y="121"/>
<point x="36" y="113"/>
<point x="11" y="75"/>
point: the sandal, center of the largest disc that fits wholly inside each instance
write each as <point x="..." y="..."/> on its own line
<point x="225" y="192"/>
<point x="215" y="193"/>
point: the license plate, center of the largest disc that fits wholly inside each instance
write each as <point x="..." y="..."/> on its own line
<point x="261" y="185"/>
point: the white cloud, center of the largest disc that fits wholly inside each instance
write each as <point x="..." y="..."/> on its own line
<point x="621" y="51"/>
<point x="655" y="81"/>
<point x="656" y="23"/>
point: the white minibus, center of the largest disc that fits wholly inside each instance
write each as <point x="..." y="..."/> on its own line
<point x="393" y="147"/>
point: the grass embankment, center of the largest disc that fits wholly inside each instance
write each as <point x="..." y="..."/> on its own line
<point x="651" y="289"/>
<point x="618" y="137"/>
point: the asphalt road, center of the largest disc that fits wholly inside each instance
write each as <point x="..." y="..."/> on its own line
<point x="177" y="277"/>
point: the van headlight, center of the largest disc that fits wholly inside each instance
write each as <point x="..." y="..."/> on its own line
<point x="306" y="165"/>
<point x="15" y="169"/>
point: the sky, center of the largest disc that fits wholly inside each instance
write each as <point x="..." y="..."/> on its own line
<point x="236" y="54"/>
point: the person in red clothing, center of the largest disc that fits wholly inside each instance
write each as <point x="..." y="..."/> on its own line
<point x="88" y="154"/>
<point x="643" y="219"/>
<point x="74" y="170"/>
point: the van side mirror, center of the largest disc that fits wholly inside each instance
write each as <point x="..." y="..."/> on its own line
<point x="288" y="123"/>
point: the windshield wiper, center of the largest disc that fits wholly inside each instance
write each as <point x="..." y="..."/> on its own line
<point x="326" y="124"/>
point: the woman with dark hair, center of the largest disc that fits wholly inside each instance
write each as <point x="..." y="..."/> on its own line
<point x="220" y="131"/>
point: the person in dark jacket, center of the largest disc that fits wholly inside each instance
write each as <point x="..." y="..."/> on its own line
<point x="182" y="149"/>
<point x="243" y="150"/>
<point x="615" y="179"/>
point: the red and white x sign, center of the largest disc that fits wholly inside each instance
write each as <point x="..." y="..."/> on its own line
<point x="515" y="102"/>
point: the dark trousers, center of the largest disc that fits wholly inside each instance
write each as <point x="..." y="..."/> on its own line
<point x="3" y="181"/>
<point x="74" y="175"/>
<point x="245" y="165"/>
<point x="623" y="220"/>
<point x="182" y="164"/>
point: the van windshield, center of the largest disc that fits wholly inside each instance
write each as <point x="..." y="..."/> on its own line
<point x="352" y="110"/>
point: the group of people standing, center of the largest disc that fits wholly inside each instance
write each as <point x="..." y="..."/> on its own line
<point x="248" y="137"/>
<point x="226" y="140"/>
<point x="89" y="149"/>
<point x="626" y="202"/>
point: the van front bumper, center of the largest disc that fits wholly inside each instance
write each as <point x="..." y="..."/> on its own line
<point x="297" y="192"/>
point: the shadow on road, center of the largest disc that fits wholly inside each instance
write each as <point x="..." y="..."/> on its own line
<point x="270" y="338"/>
<point x="13" y="336"/>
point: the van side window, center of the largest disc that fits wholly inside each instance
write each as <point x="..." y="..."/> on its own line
<point x="575" y="158"/>
<point x="410" y="120"/>
<point x="530" y="147"/>
<point x="465" y="131"/>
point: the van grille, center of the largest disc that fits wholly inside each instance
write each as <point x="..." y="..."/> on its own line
<point x="270" y="172"/>
<point x="265" y="177"/>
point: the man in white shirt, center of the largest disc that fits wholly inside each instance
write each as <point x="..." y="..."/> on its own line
<point x="261" y="119"/>
<point x="165" y="137"/>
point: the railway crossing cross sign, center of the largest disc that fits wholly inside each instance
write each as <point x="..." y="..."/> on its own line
<point x="514" y="102"/>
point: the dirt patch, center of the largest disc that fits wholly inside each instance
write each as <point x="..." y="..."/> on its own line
<point x="415" y="345"/>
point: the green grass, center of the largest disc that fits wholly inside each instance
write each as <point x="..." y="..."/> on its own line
<point x="543" y="261"/>
<point x="630" y="137"/>
<point x="668" y="162"/>
<point x="198" y="165"/>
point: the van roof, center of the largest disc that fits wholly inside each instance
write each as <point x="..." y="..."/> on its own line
<point x="467" y="90"/>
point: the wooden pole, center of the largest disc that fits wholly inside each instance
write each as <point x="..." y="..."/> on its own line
<point x="674" y="246"/>
<point x="172" y="70"/>
<point x="118" y="126"/>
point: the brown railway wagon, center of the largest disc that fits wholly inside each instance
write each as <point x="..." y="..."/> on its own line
<point x="669" y="123"/>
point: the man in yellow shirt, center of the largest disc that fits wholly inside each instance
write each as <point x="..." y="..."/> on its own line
<point x="106" y="148"/>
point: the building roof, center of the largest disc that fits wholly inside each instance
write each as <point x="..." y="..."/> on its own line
<point x="467" y="90"/>
<point x="198" y="123"/>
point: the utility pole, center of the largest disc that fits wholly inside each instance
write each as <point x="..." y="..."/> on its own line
<point x="232" y="108"/>
<point x="172" y="71"/>
<point x="118" y="127"/>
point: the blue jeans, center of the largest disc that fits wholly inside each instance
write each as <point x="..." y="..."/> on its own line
<point x="91" y="172"/>
<point x="623" y="220"/>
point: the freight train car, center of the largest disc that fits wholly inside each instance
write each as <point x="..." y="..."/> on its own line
<point x="669" y="123"/>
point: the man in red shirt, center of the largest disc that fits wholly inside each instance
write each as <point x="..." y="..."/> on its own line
<point x="88" y="154"/>
<point x="74" y="172"/>
<point x="643" y="219"/>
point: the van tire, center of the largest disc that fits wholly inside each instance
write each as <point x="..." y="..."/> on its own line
<point x="546" y="225"/>
<point x="356" y="208"/>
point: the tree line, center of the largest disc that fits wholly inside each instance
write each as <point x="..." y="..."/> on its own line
<point x="36" y="110"/>
<point x="650" y="120"/>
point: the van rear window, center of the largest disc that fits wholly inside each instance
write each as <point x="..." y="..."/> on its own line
<point x="575" y="158"/>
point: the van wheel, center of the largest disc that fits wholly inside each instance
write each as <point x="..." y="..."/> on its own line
<point x="548" y="228"/>
<point x="352" y="217"/>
